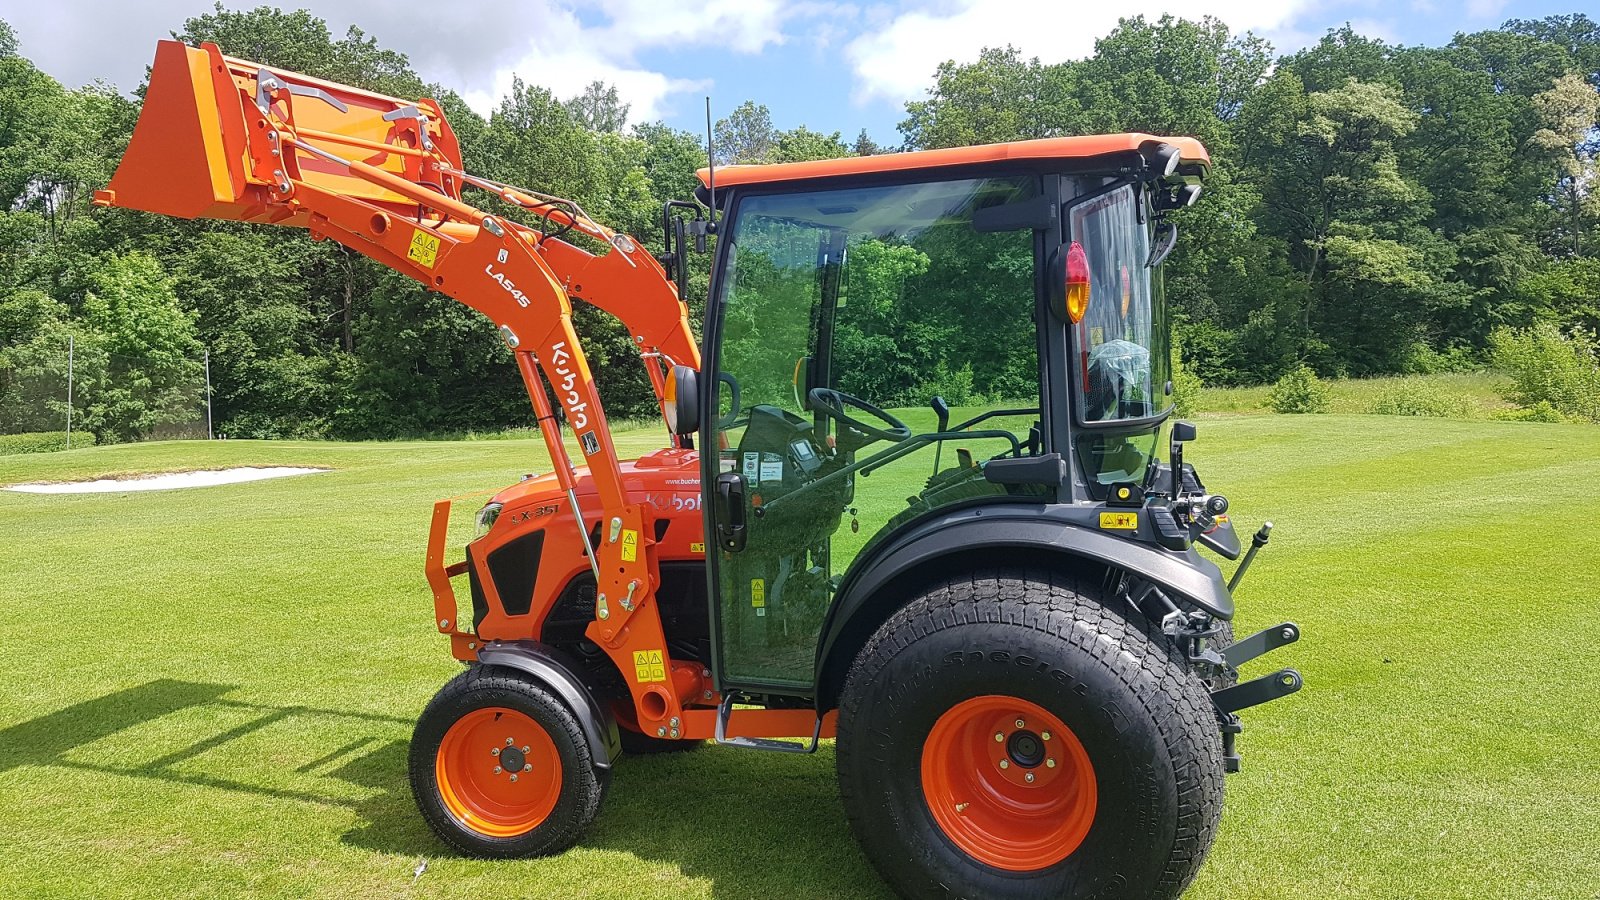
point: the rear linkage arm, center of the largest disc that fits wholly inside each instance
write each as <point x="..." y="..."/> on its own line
<point x="1195" y="633"/>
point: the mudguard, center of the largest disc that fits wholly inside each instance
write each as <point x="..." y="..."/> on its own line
<point x="1051" y="530"/>
<point x="551" y="669"/>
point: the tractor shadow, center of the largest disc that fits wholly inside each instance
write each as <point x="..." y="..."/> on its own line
<point x="374" y="762"/>
<point x="750" y="823"/>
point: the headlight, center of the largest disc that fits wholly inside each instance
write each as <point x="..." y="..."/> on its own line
<point x="486" y="517"/>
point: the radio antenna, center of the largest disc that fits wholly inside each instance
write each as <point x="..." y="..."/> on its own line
<point x="711" y="165"/>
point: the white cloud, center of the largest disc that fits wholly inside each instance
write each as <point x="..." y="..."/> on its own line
<point x="474" y="46"/>
<point x="895" y="61"/>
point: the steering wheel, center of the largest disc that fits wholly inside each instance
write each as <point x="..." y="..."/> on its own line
<point x="832" y="403"/>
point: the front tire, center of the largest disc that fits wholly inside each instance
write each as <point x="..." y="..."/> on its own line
<point x="500" y="768"/>
<point x="942" y="721"/>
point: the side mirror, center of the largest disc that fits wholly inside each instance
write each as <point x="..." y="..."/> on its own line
<point x="1182" y="432"/>
<point x="682" y="400"/>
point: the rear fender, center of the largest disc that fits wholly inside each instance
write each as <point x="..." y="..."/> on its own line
<point x="984" y="536"/>
<point x="551" y="669"/>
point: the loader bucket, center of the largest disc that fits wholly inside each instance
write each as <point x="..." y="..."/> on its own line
<point x="213" y="141"/>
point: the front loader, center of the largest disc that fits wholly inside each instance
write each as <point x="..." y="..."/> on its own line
<point x="997" y="608"/>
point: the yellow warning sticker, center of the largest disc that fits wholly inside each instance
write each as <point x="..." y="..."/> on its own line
<point x="630" y="545"/>
<point x="697" y="547"/>
<point x="1124" y="521"/>
<point x="649" y="666"/>
<point x="758" y="592"/>
<point x="424" y="249"/>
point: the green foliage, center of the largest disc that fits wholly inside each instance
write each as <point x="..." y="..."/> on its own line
<point x="1538" y="412"/>
<point x="1549" y="366"/>
<point x="43" y="442"/>
<point x="1299" y="391"/>
<point x="1372" y="210"/>
<point x="1186" y="385"/>
<point x="1421" y="398"/>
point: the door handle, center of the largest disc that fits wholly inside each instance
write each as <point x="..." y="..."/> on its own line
<point x="730" y="511"/>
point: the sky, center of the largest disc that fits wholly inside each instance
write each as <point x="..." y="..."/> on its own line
<point x="833" y="65"/>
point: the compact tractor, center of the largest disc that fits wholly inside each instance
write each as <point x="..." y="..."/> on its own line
<point x="1000" y="615"/>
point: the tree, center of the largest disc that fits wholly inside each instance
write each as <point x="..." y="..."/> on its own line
<point x="1567" y="118"/>
<point x="746" y="135"/>
<point x="151" y="373"/>
<point x="802" y="144"/>
<point x="1000" y="97"/>
<point x="865" y="145"/>
<point x="599" y="108"/>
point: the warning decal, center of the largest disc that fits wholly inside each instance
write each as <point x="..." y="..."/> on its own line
<point x="1122" y="521"/>
<point x="424" y="248"/>
<point x="630" y="545"/>
<point x="697" y="547"/>
<point x="649" y="666"/>
<point x="758" y="592"/>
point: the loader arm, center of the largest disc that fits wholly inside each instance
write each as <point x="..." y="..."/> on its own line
<point x="224" y="138"/>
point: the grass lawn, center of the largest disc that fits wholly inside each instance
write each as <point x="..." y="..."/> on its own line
<point x="209" y="692"/>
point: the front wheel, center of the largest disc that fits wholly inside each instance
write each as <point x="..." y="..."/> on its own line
<point x="501" y="768"/>
<point x="1008" y="735"/>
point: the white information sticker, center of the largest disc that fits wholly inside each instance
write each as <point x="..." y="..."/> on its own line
<point x="771" y="467"/>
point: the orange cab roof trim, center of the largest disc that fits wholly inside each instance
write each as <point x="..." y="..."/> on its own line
<point x="1191" y="151"/>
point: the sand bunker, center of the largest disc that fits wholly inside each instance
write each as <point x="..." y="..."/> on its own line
<point x="167" y="482"/>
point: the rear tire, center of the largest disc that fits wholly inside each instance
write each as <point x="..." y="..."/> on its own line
<point x="485" y="726"/>
<point x="1132" y="817"/>
<point x="1229" y="676"/>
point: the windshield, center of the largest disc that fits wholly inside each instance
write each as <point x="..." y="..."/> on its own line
<point x="1122" y="340"/>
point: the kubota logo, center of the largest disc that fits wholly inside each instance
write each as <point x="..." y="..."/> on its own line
<point x="508" y="284"/>
<point x="567" y="386"/>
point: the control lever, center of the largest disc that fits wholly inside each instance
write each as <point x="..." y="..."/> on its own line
<point x="1256" y="543"/>
<point x="942" y="410"/>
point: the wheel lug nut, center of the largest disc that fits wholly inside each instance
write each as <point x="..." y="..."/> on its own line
<point x="999" y="738"/>
<point x="497" y="770"/>
<point x="509" y="742"/>
<point x="1005" y="763"/>
<point x="495" y="752"/>
<point x="527" y="767"/>
<point x="1021" y="724"/>
<point x="1049" y="764"/>
<point x="513" y="776"/>
<point x="524" y="749"/>
<point x="1045" y="736"/>
<point x="1028" y="777"/>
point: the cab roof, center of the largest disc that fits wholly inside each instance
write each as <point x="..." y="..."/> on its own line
<point x="1191" y="154"/>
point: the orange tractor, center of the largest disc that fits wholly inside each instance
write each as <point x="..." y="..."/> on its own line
<point x="1004" y="620"/>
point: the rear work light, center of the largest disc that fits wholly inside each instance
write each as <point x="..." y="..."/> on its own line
<point x="1077" y="282"/>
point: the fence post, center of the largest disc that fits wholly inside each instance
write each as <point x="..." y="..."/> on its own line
<point x="70" y="343"/>
<point x="209" y="435"/>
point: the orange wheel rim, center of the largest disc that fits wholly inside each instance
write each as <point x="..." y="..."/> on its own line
<point x="1008" y="783"/>
<point x="498" y="772"/>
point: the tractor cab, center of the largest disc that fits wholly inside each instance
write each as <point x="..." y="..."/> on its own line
<point x="894" y="339"/>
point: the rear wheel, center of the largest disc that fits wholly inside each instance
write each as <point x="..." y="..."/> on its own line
<point x="1007" y="735"/>
<point x="500" y="767"/>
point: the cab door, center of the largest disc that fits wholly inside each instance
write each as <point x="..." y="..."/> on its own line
<point x="842" y="313"/>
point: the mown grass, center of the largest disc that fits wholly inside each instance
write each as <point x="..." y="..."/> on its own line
<point x="209" y="691"/>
